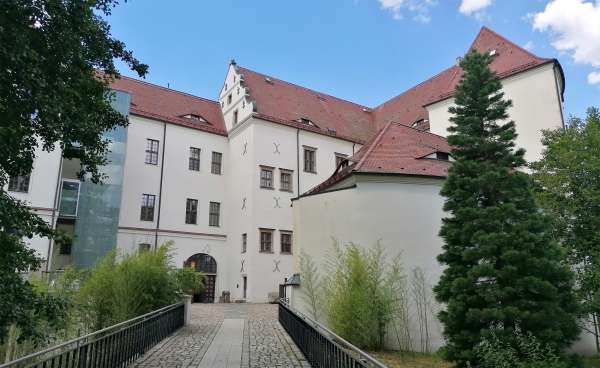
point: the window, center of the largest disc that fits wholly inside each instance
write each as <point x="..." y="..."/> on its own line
<point x="341" y="159"/>
<point x="442" y="156"/>
<point x="143" y="247"/>
<point x="285" y="180"/>
<point x="214" y="213"/>
<point x="69" y="198"/>
<point x="266" y="241"/>
<point x="191" y="211"/>
<point x="266" y="177"/>
<point x="286" y="242"/>
<point x="217" y="159"/>
<point x="194" y="164"/>
<point x="65" y="247"/>
<point x="310" y="160"/>
<point x="238" y="91"/>
<point x="152" y="151"/>
<point x="244" y="242"/>
<point x="235" y="117"/>
<point x="147" y="213"/>
<point x="19" y="183"/>
<point x="229" y="99"/>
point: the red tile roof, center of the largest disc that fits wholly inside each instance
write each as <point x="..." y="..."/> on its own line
<point x="396" y="149"/>
<point x="408" y="107"/>
<point x="164" y="104"/>
<point x="285" y="101"/>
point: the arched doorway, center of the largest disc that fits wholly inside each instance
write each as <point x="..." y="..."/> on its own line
<point x="206" y="264"/>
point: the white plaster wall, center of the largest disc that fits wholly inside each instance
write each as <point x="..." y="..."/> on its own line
<point x="536" y="106"/>
<point x="403" y="213"/>
<point x="41" y="193"/>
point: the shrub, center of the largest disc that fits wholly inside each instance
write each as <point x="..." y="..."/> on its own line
<point x="516" y="350"/>
<point x="361" y="293"/>
<point x="189" y="281"/>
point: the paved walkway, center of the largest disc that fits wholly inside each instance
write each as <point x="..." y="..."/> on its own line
<point x="227" y="336"/>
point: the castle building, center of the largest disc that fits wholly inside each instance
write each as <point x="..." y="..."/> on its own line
<point x="219" y="179"/>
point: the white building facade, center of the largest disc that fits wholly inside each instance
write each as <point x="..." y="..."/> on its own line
<point x="217" y="178"/>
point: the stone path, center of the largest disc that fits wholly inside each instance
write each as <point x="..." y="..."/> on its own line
<point x="227" y="336"/>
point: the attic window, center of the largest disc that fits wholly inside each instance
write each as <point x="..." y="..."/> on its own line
<point x="331" y="131"/>
<point x="493" y="52"/>
<point x="194" y="117"/>
<point x="268" y="80"/>
<point x="442" y="156"/>
<point x="321" y="97"/>
<point x="307" y="121"/>
<point x="417" y="123"/>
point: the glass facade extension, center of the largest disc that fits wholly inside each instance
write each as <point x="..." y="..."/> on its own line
<point x="99" y="204"/>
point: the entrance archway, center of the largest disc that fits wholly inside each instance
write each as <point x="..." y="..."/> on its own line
<point x="206" y="264"/>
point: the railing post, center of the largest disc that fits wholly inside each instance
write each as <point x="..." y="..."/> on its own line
<point x="187" y="309"/>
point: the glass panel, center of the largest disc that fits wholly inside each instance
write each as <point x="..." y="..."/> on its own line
<point x="68" y="198"/>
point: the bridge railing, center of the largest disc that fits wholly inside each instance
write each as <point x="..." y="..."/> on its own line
<point x="321" y="346"/>
<point x="115" y="346"/>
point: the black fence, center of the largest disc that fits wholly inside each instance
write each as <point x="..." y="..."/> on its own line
<point x="115" y="346"/>
<point x="321" y="347"/>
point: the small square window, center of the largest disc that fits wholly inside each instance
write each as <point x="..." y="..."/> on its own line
<point x="152" y="151"/>
<point x="266" y="177"/>
<point x="143" y="247"/>
<point x="217" y="163"/>
<point x="19" y="183"/>
<point x="147" y="212"/>
<point x="214" y="214"/>
<point x="266" y="241"/>
<point x="285" y="180"/>
<point x="194" y="162"/>
<point x="191" y="211"/>
<point x="244" y="242"/>
<point x="286" y="242"/>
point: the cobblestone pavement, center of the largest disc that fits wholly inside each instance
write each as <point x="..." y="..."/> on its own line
<point x="265" y="343"/>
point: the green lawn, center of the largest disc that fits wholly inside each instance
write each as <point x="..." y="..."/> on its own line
<point x="592" y="362"/>
<point x="396" y="359"/>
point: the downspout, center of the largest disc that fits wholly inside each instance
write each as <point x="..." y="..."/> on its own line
<point x="54" y="208"/>
<point x="162" y="167"/>
<point x="353" y="144"/>
<point x="298" y="160"/>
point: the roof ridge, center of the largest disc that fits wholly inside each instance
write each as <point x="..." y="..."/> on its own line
<point x="484" y="28"/>
<point x="306" y="88"/>
<point x="168" y="89"/>
<point x="415" y="86"/>
<point x="372" y="147"/>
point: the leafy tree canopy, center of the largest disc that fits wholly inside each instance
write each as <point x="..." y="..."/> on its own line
<point x="56" y="61"/>
<point x="568" y="188"/>
<point x="503" y="272"/>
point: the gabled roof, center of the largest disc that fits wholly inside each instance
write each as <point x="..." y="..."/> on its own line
<point x="164" y="104"/>
<point x="396" y="150"/>
<point x="281" y="101"/>
<point x="408" y="107"/>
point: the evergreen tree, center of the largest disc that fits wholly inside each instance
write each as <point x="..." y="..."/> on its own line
<point x="503" y="272"/>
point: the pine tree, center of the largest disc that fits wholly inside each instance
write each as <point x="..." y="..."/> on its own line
<point x="503" y="272"/>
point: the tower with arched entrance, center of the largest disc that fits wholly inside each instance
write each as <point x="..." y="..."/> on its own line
<point x="206" y="264"/>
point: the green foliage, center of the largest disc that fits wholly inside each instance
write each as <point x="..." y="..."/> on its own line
<point x="361" y="293"/>
<point x="568" y="188"/>
<point x="137" y="284"/>
<point x="190" y="282"/>
<point x="502" y="269"/>
<point x="56" y="58"/>
<point x="312" y="292"/>
<point x="524" y="351"/>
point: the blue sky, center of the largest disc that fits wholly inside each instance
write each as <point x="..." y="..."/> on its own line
<point x="365" y="51"/>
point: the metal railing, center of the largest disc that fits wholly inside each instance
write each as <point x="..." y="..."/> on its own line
<point x="115" y="346"/>
<point x="321" y="346"/>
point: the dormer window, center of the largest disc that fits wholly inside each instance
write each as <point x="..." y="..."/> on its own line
<point x="195" y="117"/>
<point x="442" y="156"/>
<point x="307" y="121"/>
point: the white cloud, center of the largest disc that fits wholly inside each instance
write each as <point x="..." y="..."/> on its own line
<point x="529" y="45"/>
<point x="474" y="7"/>
<point x="419" y="9"/>
<point x="575" y="25"/>
<point x="594" y="78"/>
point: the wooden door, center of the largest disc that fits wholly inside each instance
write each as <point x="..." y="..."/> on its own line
<point x="208" y="295"/>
